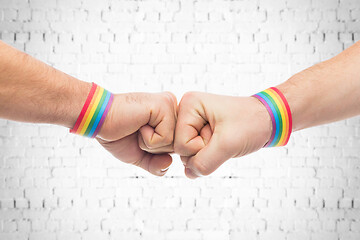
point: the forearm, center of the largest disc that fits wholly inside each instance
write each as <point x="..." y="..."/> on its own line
<point x="326" y="92"/>
<point x="31" y="91"/>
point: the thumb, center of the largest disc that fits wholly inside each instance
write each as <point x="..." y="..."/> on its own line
<point x="208" y="159"/>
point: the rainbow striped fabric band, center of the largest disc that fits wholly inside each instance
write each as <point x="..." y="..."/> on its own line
<point x="280" y="114"/>
<point x="94" y="112"/>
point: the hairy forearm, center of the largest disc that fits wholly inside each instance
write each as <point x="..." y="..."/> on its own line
<point x="326" y="92"/>
<point x="31" y="91"/>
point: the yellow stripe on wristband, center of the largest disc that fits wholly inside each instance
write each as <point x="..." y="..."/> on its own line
<point x="282" y="109"/>
<point x="88" y="110"/>
<point x="280" y="114"/>
<point x="91" y="114"/>
<point x="94" y="112"/>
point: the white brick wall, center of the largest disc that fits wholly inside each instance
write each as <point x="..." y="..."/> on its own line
<point x="54" y="185"/>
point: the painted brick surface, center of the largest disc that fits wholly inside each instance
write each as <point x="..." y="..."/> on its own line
<point x="54" y="185"/>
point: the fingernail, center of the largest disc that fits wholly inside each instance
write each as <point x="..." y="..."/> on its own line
<point x="165" y="169"/>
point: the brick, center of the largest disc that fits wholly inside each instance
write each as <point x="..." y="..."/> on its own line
<point x="64" y="172"/>
<point x="350" y="236"/>
<point x="10" y="15"/>
<point x="67" y="4"/>
<point x="13" y="236"/>
<point x="349" y="3"/>
<point x="93" y="172"/>
<point x="178" y="235"/>
<point x="37" y="193"/>
<point x="42" y="235"/>
<point x="15" y="3"/>
<point x="69" y="235"/>
<point x="23" y="226"/>
<point x="324" y="235"/>
<point x="37" y="152"/>
<point x="67" y="192"/>
<point x="43" y="5"/>
<point x="21" y="203"/>
<point x="9" y="214"/>
<point x="11" y="193"/>
<point x="332" y="4"/>
<point x="272" y="235"/>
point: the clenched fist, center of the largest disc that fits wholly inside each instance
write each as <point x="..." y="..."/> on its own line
<point x="139" y="129"/>
<point x="212" y="129"/>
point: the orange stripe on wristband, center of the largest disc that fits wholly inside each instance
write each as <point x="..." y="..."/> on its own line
<point x="94" y="112"/>
<point x="287" y="106"/>
<point x="284" y="115"/>
<point x="278" y="107"/>
<point x="85" y="107"/>
<point x="88" y="110"/>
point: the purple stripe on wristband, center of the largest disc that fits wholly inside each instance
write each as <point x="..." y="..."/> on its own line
<point x="271" y="116"/>
<point x="103" y="116"/>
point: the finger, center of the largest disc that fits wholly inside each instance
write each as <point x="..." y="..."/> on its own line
<point x="165" y="149"/>
<point x="154" y="140"/>
<point x="188" y="127"/>
<point x="159" y="132"/>
<point x="128" y="151"/>
<point x="190" y="174"/>
<point x="174" y="100"/>
<point x="208" y="159"/>
<point x="184" y="160"/>
<point x="206" y="133"/>
<point x="157" y="164"/>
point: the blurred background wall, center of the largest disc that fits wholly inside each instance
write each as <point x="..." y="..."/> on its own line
<point x="54" y="185"/>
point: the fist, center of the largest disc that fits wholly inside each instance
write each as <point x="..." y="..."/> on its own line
<point x="139" y="130"/>
<point x="212" y="129"/>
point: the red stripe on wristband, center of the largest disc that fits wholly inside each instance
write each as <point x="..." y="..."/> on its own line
<point x="278" y="107"/>
<point x="85" y="107"/>
<point x="288" y="110"/>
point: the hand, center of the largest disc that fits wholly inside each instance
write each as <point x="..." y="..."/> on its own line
<point x="212" y="129"/>
<point x="139" y="130"/>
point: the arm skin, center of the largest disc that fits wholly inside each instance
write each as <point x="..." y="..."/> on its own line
<point x="212" y="129"/>
<point x="326" y="92"/>
<point x="29" y="90"/>
<point x="137" y="126"/>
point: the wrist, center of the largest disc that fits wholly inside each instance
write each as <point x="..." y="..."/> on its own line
<point x="129" y="112"/>
<point x="75" y="96"/>
<point x="300" y="98"/>
<point x="263" y="121"/>
<point x="277" y="106"/>
<point x="93" y="112"/>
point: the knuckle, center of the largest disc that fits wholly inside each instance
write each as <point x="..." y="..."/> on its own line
<point x="189" y="101"/>
<point x="167" y="98"/>
<point x="189" y="96"/>
<point x="149" y="146"/>
<point x="177" y="147"/>
<point x="186" y="149"/>
<point x="142" y="145"/>
<point x="137" y="162"/>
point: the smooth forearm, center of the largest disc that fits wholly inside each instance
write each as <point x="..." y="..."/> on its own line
<point x="326" y="92"/>
<point x="32" y="91"/>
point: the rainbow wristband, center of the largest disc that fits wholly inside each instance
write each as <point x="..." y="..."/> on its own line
<point x="94" y="112"/>
<point x="280" y="115"/>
